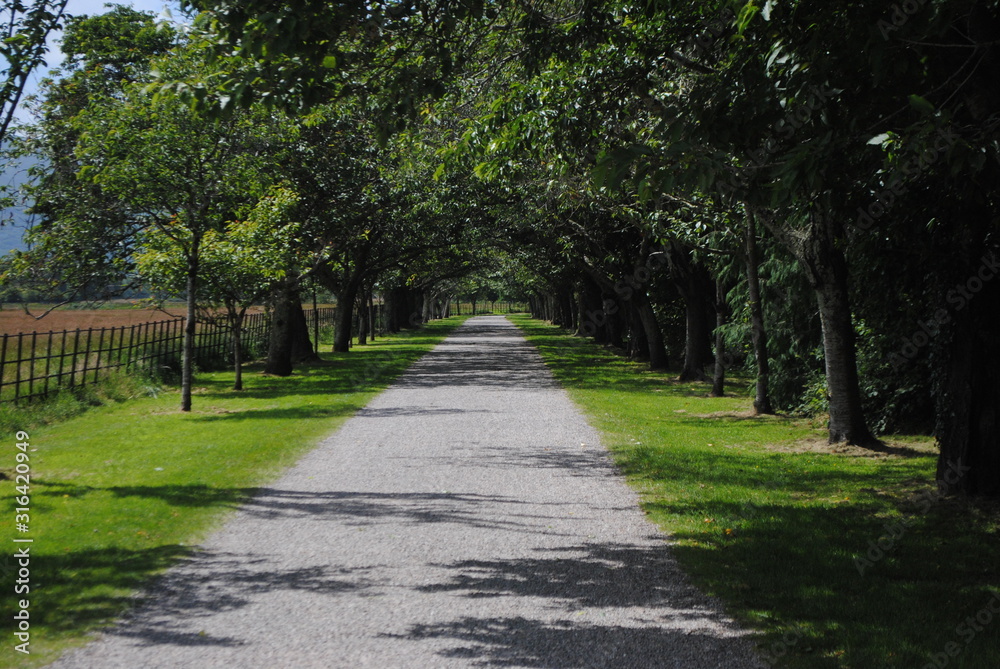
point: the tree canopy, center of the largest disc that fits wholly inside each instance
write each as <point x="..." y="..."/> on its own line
<point x="802" y="191"/>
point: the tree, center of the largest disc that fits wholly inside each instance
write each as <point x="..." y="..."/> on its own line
<point x="177" y="173"/>
<point x="24" y="30"/>
<point x="105" y="54"/>
<point x="152" y="165"/>
<point x="240" y="264"/>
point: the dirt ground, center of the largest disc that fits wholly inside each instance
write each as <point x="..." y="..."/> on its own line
<point x="13" y="318"/>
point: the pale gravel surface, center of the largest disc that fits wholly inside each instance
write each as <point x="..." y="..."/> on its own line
<point x="467" y="517"/>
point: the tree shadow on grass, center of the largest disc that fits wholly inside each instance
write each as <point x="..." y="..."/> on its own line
<point x="85" y="588"/>
<point x="846" y="581"/>
<point x="189" y="495"/>
<point x="301" y="412"/>
<point x="360" y="371"/>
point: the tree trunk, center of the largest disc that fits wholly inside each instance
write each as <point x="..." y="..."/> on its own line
<point x="315" y="331"/>
<point x="637" y="347"/>
<point x="190" y="327"/>
<point x="428" y="310"/>
<point x="414" y="306"/>
<point x="565" y="307"/>
<point x="237" y="324"/>
<point x="695" y="287"/>
<point x="657" y="350"/>
<point x="302" y="348"/>
<point x="342" y="335"/>
<point x="826" y="269"/>
<point x="592" y="316"/>
<point x="581" y="309"/>
<point x="393" y="307"/>
<point x="721" y="317"/>
<point x="696" y="339"/>
<point x="363" y="319"/>
<point x="762" y="397"/>
<point x="279" y="350"/>
<point x="968" y="396"/>
<point x="614" y="324"/>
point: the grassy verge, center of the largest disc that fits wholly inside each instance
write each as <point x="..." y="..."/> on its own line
<point x="119" y="493"/>
<point x="65" y="403"/>
<point x="839" y="559"/>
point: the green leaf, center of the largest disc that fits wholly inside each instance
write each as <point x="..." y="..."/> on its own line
<point x="746" y="15"/>
<point x="921" y="105"/>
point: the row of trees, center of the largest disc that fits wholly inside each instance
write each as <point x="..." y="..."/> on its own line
<point x="804" y="188"/>
<point x="224" y="210"/>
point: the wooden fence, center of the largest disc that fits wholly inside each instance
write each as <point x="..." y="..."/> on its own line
<point x="34" y="364"/>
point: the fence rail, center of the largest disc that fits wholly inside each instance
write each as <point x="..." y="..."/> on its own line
<point x="34" y="364"/>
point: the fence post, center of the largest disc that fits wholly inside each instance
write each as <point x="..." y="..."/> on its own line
<point x="62" y="360"/>
<point x="179" y="337"/>
<point x="161" y="342"/>
<point x="3" y="360"/>
<point x="86" y="356"/>
<point x="128" y="351"/>
<point x="31" y="365"/>
<point x="48" y="362"/>
<point x="17" y="364"/>
<point x="76" y="351"/>
<point x="100" y="347"/>
<point x="114" y="353"/>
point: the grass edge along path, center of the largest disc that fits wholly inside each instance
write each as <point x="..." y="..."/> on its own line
<point x="835" y="559"/>
<point x="120" y="493"/>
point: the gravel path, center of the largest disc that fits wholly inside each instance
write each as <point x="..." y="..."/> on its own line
<point x="467" y="517"/>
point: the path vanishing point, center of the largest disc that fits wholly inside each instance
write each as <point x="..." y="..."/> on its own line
<point x="467" y="517"/>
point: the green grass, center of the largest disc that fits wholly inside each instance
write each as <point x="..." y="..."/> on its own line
<point x="124" y="490"/>
<point x="65" y="403"/>
<point x="763" y="515"/>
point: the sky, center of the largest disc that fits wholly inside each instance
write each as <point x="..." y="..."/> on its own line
<point x="10" y="235"/>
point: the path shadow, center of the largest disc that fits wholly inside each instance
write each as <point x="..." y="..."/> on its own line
<point x="368" y="508"/>
<point x="674" y="625"/>
<point x="481" y="353"/>
<point x="587" y="575"/>
<point x="394" y="412"/>
<point x="207" y="583"/>
<point x="520" y="642"/>
<point x="586" y="461"/>
<point x="349" y="507"/>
